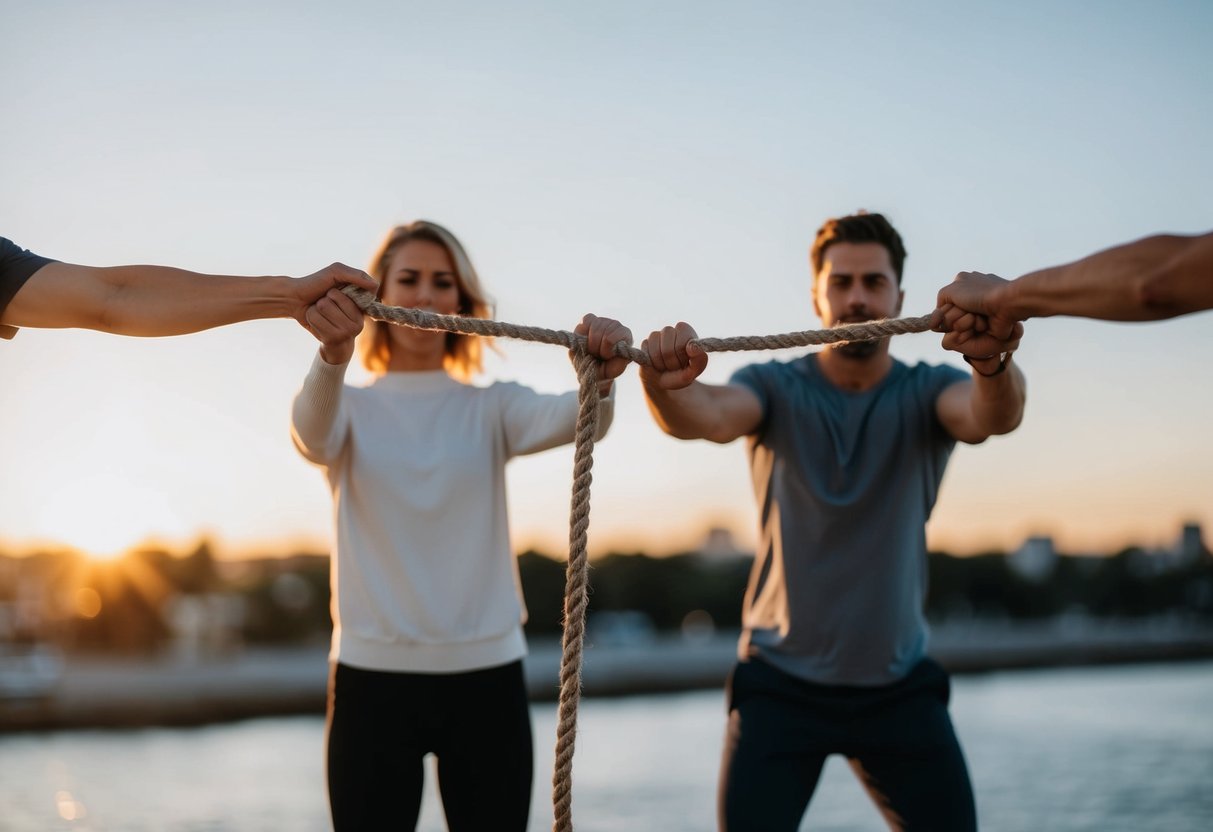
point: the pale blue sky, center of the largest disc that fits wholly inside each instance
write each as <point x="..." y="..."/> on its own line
<point x="653" y="164"/>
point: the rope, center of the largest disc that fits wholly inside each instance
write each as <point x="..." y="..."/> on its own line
<point x="420" y="319"/>
<point x="575" y="592"/>
<point x="577" y="572"/>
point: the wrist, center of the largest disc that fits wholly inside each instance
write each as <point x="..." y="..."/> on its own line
<point x="1011" y="301"/>
<point x="286" y="297"/>
<point x="337" y="353"/>
<point x="988" y="366"/>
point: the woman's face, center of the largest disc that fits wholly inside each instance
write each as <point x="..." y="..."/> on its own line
<point x="421" y="276"/>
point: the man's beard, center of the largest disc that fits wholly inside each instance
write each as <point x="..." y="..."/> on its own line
<point x="858" y="349"/>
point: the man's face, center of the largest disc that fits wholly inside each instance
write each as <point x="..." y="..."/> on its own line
<point x="856" y="283"/>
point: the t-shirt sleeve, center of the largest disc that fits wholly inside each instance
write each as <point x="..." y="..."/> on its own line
<point x="17" y="265"/>
<point x="757" y="378"/>
<point x="935" y="380"/>
<point x="944" y="376"/>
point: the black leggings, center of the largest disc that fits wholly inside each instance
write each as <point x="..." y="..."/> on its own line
<point x="380" y="725"/>
<point x="898" y="739"/>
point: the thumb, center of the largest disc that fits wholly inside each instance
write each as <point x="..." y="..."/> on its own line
<point x="697" y="360"/>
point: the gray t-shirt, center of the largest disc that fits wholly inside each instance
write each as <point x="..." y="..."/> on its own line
<point x="845" y="483"/>
<point x="16" y="266"/>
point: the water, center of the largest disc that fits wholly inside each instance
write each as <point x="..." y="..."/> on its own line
<point x="1111" y="749"/>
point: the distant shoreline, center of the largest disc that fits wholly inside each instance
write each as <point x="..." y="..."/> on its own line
<point x="258" y="682"/>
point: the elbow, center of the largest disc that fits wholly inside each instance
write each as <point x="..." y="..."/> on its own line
<point x="678" y="432"/>
<point x="111" y="312"/>
<point x="308" y="439"/>
<point x="994" y="424"/>
<point x="715" y="430"/>
<point x="1002" y="427"/>
<point x="313" y="452"/>
<point x="1158" y="292"/>
<point x="1010" y="427"/>
<point x="720" y="437"/>
<point x="1154" y="296"/>
<point x="101" y="313"/>
<point x="687" y="432"/>
<point x="107" y="315"/>
<point x="306" y="449"/>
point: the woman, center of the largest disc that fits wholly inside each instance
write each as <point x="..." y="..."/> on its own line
<point x="427" y="638"/>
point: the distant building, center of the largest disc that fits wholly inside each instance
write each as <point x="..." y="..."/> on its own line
<point x="1036" y="559"/>
<point x="719" y="545"/>
<point x="1191" y="547"/>
<point x="1188" y="548"/>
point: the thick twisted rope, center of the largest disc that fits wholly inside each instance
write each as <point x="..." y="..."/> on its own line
<point x="420" y="319"/>
<point x="576" y="591"/>
<point x="577" y="572"/>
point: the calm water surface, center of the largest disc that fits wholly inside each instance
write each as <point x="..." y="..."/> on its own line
<point x="1108" y="749"/>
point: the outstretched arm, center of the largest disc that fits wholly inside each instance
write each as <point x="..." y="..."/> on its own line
<point x="689" y="409"/>
<point x="159" y="300"/>
<point x="1151" y="279"/>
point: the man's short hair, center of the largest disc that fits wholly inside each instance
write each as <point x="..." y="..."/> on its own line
<point x="859" y="228"/>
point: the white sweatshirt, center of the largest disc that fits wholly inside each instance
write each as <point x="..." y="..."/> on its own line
<point x="424" y="578"/>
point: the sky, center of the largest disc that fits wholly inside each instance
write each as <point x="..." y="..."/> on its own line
<point x="650" y="162"/>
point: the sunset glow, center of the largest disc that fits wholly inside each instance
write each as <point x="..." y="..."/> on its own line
<point x="658" y="173"/>
<point x="105" y="515"/>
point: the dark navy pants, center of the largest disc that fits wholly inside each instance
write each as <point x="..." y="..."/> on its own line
<point x="381" y="725"/>
<point x="898" y="739"/>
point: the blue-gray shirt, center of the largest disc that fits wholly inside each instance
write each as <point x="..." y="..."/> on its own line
<point x="845" y="483"/>
<point x="16" y="266"/>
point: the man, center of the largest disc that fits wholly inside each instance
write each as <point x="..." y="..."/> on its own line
<point x="1147" y="280"/>
<point x="847" y="449"/>
<point x="149" y="300"/>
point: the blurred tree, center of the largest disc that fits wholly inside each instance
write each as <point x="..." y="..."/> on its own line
<point x="542" y="580"/>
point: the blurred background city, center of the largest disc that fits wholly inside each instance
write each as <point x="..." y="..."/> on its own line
<point x="191" y="606"/>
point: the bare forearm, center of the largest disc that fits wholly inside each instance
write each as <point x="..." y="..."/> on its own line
<point x="1150" y="279"/>
<point x="145" y="300"/>
<point x="998" y="401"/>
<point x="683" y="414"/>
<point x="165" y="301"/>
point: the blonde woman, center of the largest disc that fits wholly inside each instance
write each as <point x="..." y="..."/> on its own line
<point x="427" y="640"/>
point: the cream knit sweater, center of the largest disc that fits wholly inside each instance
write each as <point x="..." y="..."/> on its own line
<point x="424" y="579"/>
